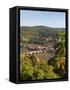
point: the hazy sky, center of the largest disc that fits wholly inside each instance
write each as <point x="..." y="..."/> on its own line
<point x="33" y="18"/>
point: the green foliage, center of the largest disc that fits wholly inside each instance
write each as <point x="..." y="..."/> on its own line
<point x="26" y="69"/>
<point x="59" y="59"/>
<point x="30" y="69"/>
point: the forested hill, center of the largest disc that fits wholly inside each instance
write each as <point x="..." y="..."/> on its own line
<point x="40" y="30"/>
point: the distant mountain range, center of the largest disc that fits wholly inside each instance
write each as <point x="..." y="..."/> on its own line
<point x="40" y="30"/>
<point x="42" y="27"/>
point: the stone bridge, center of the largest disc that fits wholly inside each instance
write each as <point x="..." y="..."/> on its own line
<point x="34" y="52"/>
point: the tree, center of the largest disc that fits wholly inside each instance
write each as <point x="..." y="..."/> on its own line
<point x="59" y="59"/>
<point x="30" y="69"/>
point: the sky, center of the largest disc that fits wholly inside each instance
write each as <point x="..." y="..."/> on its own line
<point x="44" y="18"/>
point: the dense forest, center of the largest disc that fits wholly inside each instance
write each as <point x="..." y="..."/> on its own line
<point x="42" y="53"/>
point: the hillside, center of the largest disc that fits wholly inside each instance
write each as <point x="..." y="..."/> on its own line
<point x="42" y="53"/>
<point x="40" y="30"/>
<point x="38" y="35"/>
